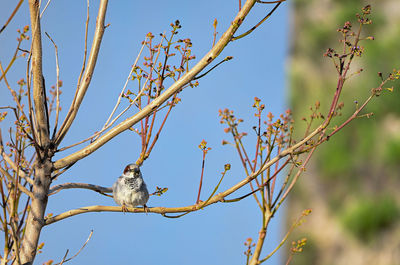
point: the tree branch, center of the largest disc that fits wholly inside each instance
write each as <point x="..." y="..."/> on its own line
<point x="57" y="83"/>
<point x="259" y="23"/>
<point x="174" y="88"/>
<point x="85" y="50"/>
<point x="96" y="188"/>
<point x="39" y="93"/>
<point x="214" y="199"/>
<point x="12" y="15"/>
<point x="83" y="246"/>
<point x="20" y="186"/>
<point x="87" y="77"/>
<point x="14" y="166"/>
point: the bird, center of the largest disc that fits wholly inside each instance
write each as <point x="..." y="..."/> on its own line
<point x="130" y="188"/>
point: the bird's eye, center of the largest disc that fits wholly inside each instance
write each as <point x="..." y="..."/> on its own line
<point x="136" y="170"/>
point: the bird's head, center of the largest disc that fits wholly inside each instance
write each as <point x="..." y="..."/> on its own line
<point x="132" y="170"/>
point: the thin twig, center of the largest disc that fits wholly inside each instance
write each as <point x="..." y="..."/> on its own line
<point x="108" y="124"/>
<point x="14" y="166"/>
<point x="95" y="135"/>
<point x="11" y="16"/>
<point x="215" y="66"/>
<point x="174" y="216"/>
<point x="45" y="7"/>
<point x="293" y="226"/>
<point x="201" y="177"/>
<point x="285" y="182"/>
<point x="125" y="85"/>
<point x="270" y="2"/>
<point x="215" y="28"/>
<point x="65" y="256"/>
<point x="258" y="24"/>
<point x="32" y="120"/>
<point x="20" y="186"/>
<point x="175" y="87"/>
<point x="293" y="182"/>
<point x="260" y="187"/>
<point x="14" y="94"/>
<point x="216" y="187"/>
<point x="4" y="222"/>
<point x="57" y="173"/>
<point x="83" y="246"/>
<point x="159" y="131"/>
<point x="85" y="49"/>
<point x="11" y="61"/>
<point x="57" y="83"/>
<point x="87" y="77"/>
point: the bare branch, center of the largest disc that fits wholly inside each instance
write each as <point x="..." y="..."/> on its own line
<point x="215" y="66"/>
<point x="45" y="7"/>
<point x="96" y="188"/>
<point x="65" y="256"/>
<point x="87" y="77"/>
<point x="125" y="85"/>
<point x="108" y="124"/>
<point x="32" y="120"/>
<point x="14" y="166"/>
<point x="174" y="88"/>
<point x="85" y="50"/>
<point x="14" y="94"/>
<point x="292" y="227"/>
<point x="83" y="246"/>
<point x="11" y="16"/>
<point x="12" y="60"/>
<point x="294" y="180"/>
<point x="270" y="2"/>
<point x="57" y="83"/>
<point x="39" y="91"/>
<point x="214" y="199"/>
<point x="259" y="23"/>
<point x="20" y="186"/>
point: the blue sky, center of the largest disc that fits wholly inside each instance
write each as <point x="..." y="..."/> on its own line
<point x="214" y="235"/>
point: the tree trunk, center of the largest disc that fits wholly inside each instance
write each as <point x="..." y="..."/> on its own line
<point x="35" y="219"/>
<point x="43" y="166"/>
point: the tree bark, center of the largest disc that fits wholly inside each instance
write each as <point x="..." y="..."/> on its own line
<point x="43" y="166"/>
<point x="39" y="91"/>
<point x="35" y="219"/>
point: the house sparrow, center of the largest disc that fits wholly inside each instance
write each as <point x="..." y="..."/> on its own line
<point x="130" y="189"/>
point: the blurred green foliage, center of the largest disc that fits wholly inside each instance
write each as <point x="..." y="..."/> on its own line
<point x="369" y="216"/>
<point x="392" y="152"/>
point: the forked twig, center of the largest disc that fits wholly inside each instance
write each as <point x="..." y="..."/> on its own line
<point x="83" y="246"/>
<point x="293" y="226"/>
<point x="258" y="24"/>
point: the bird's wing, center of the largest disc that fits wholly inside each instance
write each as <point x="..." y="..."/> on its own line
<point x="117" y="183"/>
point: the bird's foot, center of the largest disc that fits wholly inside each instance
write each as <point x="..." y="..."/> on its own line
<point x="124" y="209"/>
